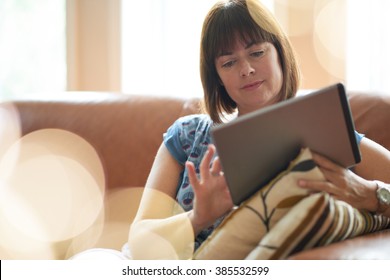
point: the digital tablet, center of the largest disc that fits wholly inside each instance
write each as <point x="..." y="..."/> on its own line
<point x="254" y="148"/>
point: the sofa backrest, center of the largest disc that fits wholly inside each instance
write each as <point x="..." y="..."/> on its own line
<point x="125" y="130"/>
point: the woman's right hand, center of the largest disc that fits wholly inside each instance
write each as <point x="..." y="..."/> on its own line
<point x="212" y="196"/>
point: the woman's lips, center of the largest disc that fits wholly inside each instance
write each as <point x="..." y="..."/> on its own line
<point x="252" y="86"/>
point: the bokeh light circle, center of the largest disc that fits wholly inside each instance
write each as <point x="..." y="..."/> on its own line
<point x="53" y="192"/>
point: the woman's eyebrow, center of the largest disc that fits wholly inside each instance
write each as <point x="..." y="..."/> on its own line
<point x="250" y="44"/>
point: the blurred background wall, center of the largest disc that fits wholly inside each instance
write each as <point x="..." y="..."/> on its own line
<point x="152" y="46"/>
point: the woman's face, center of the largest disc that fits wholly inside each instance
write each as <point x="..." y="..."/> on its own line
<point x="251" y="74"/>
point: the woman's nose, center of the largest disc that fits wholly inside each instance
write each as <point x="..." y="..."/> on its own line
<point x="246" y="69"/>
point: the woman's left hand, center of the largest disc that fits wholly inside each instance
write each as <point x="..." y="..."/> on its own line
<point x="342" y="184"/>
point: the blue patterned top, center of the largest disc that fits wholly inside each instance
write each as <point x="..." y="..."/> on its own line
<point x="187" y="140"/>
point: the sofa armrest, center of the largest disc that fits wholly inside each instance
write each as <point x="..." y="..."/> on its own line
<point x="371" y="114"/>
<point x="367" y="247"/>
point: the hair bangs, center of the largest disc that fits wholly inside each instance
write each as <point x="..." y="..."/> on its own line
<point x="236" y="24"/>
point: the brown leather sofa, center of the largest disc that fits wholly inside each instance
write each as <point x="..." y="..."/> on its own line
<point x="126" y="131"/>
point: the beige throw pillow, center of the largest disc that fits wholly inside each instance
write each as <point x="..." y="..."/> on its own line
<point x="282" y="219"/>
<point x="242" y="230"/>
<point x="316" y="221"/>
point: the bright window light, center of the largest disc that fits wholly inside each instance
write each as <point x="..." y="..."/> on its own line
<point x="160" y="46"/>
<point x="32" y="48"/>
<point x="368" y="56"/>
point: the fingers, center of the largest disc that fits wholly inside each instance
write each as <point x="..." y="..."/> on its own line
<point x="205" y="171"/>
<point x="328" y="169"/>
<point x="192" y="174"/>
<point x="315" y="186"/>
<point x="204" y="166"/>
<point x="325" y="163"/>
<point x="333" y="183"/>
<point x="216" y="168"/>
<point x="332" y="171"/>
<point x="339" y="182"/>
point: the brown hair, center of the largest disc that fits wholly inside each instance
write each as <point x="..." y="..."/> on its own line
<point x="249" y="21"/>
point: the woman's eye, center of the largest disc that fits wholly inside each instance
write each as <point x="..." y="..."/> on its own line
<point x="257" y="53"/>
<point x="228" y="64"/>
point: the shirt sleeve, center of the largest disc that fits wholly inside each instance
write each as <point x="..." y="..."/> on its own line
<point x="188" y="137"/>
<point x="172" y="140"/>
<point x="359" y="137"/>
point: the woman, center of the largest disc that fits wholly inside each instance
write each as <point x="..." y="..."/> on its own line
<point x="247" y="63"/>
